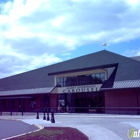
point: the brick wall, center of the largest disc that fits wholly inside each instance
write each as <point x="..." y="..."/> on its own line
<point x="53" y="101"/>
<point x="122" y="101"/>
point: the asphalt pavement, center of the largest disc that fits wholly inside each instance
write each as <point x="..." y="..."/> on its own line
<point x="9" y="128"/>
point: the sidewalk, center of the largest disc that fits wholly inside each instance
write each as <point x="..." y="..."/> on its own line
<point x="95" y="126"/>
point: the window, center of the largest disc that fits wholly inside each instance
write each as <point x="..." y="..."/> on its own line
<point x="13" y="103"/>
<point x="33" y="102"/>
<point x="60" y="82"/>
<point x="3" y="104"/>
<point x="93" y="75"/>
<point x="103" y="77"/>
<point x="64" y="80"/>
<point x="98" y="75"/>
<point x="95" y="78"/>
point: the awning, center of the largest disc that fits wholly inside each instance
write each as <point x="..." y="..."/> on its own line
<point x="17" y="97"/>
<point x="124" y="84"/>
<point x="26" y="91"/>
<point x="77" y="89"/>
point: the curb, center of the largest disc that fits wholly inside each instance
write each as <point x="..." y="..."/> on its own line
<point x="10" y="119"/>
<point x="101" y="116"/>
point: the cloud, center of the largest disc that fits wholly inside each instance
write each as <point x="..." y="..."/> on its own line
<point x="131" y="53"/>
<point x="34" y="32"/>
<point x="14" y="63"/>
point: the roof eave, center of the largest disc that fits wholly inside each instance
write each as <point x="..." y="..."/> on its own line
<point x="84" y="69"/>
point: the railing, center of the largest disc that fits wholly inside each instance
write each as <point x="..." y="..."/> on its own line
<point x="99" y="110"/>
<point x="87" y="110"/>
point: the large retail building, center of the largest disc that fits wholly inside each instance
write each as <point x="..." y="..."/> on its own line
<point x="101" y="82"/>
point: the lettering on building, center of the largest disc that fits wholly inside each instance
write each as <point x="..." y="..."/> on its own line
<point x="77" y="89"/>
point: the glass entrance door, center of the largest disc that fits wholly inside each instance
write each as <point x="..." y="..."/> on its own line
<point x="86" y="102"/>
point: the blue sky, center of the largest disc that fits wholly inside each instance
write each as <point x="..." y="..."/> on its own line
<point x="37" y="33"/>
<point x="127" y="48"/>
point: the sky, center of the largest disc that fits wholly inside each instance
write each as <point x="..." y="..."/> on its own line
<point x="37" y="33"/>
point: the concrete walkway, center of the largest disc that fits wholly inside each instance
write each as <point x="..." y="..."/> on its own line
<point x="96" y="127"/>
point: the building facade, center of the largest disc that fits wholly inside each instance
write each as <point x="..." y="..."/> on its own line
<point x="101" y="82"/>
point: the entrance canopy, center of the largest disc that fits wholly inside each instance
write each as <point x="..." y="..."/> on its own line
<point x="77" y="89"/>
<point x="19" y="97"/>
<point x="26" y="91"/>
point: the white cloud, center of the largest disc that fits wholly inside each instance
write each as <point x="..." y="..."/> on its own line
<point x="31" y="30"/>
<point x="44" y="59"/>
<point x="133" y="2"/>
<point x="13" y="63"/>
<point x="131" y="53"/>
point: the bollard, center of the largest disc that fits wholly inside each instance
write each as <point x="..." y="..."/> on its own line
<point x="22" y="113"/>
<point x="37" y="117"/>
<point x="44" y="118"/>
<point x="48" y="118"/>
<point x="52" y="116"/>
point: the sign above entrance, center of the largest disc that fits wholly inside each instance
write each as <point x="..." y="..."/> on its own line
<point x="77" y="89"/>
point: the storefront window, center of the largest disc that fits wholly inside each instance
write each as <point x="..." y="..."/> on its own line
<point x="33" y="102"/>
<point x="96" y="78"/>
<point x="3" y="103"/>
<point x="13" y="103"/>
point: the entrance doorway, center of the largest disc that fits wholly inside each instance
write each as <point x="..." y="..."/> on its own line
<point x="89" y="102"/>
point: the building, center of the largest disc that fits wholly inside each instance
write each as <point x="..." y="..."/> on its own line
<point x="101" y="82"/>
